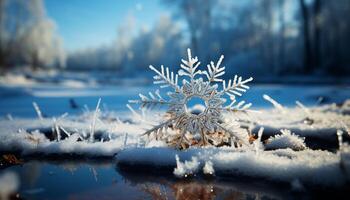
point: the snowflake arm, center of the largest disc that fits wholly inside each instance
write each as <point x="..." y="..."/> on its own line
<point x="151" y="100"/>
<point x="233" y="134"/>
<point x="240" y="106"/>
<point x="164" y="78"/>
<point x="215" y="71"/>
<point x="159" y="127"/>
<point x="189" y="67"/>
<point x="237" y="86"/>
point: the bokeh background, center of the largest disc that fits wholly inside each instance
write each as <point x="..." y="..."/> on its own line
<point x="271" y="40"/>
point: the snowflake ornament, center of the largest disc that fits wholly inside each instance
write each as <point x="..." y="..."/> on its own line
<point x="204" y="119"/>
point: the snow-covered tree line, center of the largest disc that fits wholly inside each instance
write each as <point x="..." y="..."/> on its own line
<point x="260" y="37"/>
<point x="134" y="49"/>
<point x="279" y="36"/>
<point x="27" y="36"/>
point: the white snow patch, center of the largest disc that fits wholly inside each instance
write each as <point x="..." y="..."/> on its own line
<point x="155" y="143"/>
<point x="286" y="140"/>
<point x="15" y="137"/>
<point x="309" y="166"/>
<point x="9" y="183"/>
<point x="183" y="169"/>
<point x="16" y="80"/>
<point x="208" y="168"/>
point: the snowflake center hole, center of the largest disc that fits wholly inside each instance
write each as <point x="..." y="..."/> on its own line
<point x="195" y="105"/>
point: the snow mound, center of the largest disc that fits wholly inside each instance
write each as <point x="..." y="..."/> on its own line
<point x="113" y="133"/>
<point x="317" y="121"/>
<point x="9" y="183"/>
<point x="208" y="168"/>
<point x="286" y="140"/>
<point x="104" y="134"/>
<point x="183" y="169"/>
<point x="16" y="80"/>
<point x="284" y="165"/>
<point x="71" y="137"/>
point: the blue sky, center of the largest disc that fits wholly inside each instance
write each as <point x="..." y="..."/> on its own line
<point x="92" y="23"/>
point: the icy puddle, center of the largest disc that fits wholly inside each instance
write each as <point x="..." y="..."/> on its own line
<point x="102" y="179"/>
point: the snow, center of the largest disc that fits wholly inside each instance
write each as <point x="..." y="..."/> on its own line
<point x="183" y="169"/>
<point x="15" y="136"/>
<point x="319" y="121"/>
<point x="27" y="135"/>
<point x="313" y="167"/>
<point x="156" y="143"/>
<point x="208" y="168"/>
<point x="16" y="79"/>
<point x="9" y="183"/>
<point x="286" y="140"/>
<point x="119" y="134"/>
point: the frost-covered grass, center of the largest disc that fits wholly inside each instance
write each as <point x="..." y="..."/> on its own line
<point x="317" y="121"/>
<point x="119" y="136"/>
<point x="31" y="136"/>
<point x="286" y="140"/>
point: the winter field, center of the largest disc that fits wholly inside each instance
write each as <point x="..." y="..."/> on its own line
<point x="53" y="136"/>
<point x="174" y="99"/>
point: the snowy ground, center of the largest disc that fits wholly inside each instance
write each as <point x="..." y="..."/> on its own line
<point x="84" y="132"/>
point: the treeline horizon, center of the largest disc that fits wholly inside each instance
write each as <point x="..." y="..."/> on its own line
<point x="278" y="37"/>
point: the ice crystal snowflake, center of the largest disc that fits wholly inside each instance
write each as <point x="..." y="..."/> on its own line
<point x="210" y="118"/>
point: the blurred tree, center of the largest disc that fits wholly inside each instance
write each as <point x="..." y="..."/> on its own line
<point x="317" y="31"/>
<point x="130" y="53"/>
<point x="198" y="15"/>
<point x="27" y="35"/>
<point x="260" y="38"/>
<point x="41" y="47"/>
<point x="2" y="39"/>
<point x="308" y="59"/>
<point x="282" y="33"/>
<point x="161" y="45"/>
